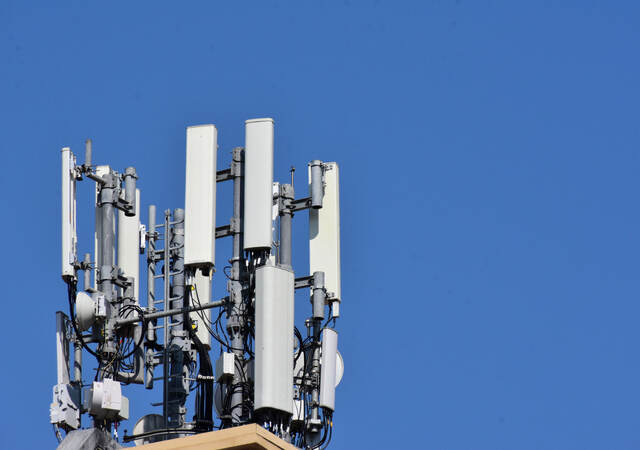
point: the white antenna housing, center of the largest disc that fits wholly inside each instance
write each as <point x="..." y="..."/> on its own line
<point x="129" y="246"/>
<point x="200" y="197"/>
<point x="69" y="237"/>
<point x="258" y="178"/>
<point x="328" y="369"/>
<point x="62" y="349"/>
<point x="274" y="339"/>
<point x="324" y="235"/>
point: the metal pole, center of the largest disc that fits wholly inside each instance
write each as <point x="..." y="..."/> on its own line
<point x="151" y="269"/>
<point x="151" y="296"/>
<point x="236" y="325"/>
<point x="77" y="361"/>
<point x="177" y="393"/>
<point x="177" y="285"/>
<point x="286" y="216"/>
<point x="108" y="197"/>
<point x="317" y="300"/>
<point x="165" y="360"/>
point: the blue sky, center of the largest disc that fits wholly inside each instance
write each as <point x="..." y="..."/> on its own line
<point x="489" y="156"/>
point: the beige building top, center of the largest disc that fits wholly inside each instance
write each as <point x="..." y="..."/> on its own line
<point x="246" y="437"/>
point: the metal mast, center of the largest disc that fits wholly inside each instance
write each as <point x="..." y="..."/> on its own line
<point x="265" y="369"/>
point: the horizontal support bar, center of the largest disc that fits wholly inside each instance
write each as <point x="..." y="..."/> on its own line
<point x="223" y="231"/>
<point x="300" y="204"/>
<point x="171" y="312"/>
<point x="223" y="175"/>
<point x="303" y="282"/>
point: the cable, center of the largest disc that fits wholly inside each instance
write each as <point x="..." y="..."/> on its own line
<point x="204" y="396"/>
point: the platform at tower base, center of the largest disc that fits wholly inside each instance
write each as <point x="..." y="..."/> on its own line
<point x="246" y="437"/>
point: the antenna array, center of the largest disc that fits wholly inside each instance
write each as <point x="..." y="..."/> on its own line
<point x="267" y="370"/>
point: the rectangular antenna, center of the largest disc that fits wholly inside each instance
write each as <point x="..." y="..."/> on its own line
<point x="129" y="246"/>
<point x="258" y="179"/>
<point x="62" y="349"/>
<point x="274" y="338"/>
<point x="324" y="235"/>
<point x="200" y="197"/>
<point x="328" y="369"/>
<point x="69" y="237"/>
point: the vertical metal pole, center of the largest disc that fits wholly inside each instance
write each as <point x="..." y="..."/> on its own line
<point x="77" y="362"/>
<point x="317" y="301"/>
<point x="286" y="216"/>
<point x="238" y="208"/>
<point x="165" y="360"/>
<point x="151" y="295"/>
<point x="151" y="268"/>
<point x="236" y="325"/>
<point x="177" y="285"/>
<point x="77" y="366"/>
<point x="177" y="394"/>
<point x="108" y="196"/>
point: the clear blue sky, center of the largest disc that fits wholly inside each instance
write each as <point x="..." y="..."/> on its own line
<point x="490" y="159"/>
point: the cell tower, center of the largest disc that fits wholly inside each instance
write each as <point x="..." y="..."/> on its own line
<point x="265" y="369"/>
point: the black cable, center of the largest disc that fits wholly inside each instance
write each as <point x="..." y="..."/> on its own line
<point x="142" y="333"/>
<point x="204" y="397"/>
<point x="204" y="321"/>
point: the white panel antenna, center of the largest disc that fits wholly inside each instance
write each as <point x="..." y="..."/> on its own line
<point x="328" y="369"/>
<point x="200" y="196"/>
<point x="129" y="246"/>
<point x="62" y="349"/>
<point x="258" y="176"/>
<point x="69" y="238"/>
<point x="324" y="235"/>
<point x="274" y="339"/>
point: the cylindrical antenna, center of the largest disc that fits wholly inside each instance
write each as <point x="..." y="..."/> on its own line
<point x="316" y="184"/>
<point x="287" y="194"/>
<point x="87" y="271"/>
<point x="130" y="190"/>
<point x="318" y="297"/>
<point x="87" y="153"/>
<point x="77" y="362"/>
